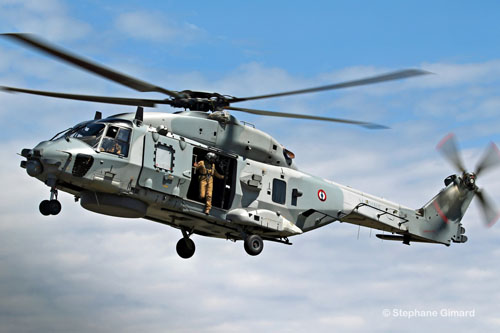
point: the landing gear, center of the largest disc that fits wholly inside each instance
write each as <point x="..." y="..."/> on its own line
<point x="52" y="206"/>
<point x="185" y="246"/>
<point x="253" y="244"/>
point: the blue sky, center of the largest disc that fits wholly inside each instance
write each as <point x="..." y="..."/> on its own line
<point x="310" y="37"/>
<point x="80" y="271"/>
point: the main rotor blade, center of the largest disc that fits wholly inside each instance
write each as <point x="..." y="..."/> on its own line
<point x="402" y="74"/>
<point x="448" y="148"/>
<point x="91" y="98"/>
<point x="490" y="159"/>
<point x="303" y="116"/>
<point x="489" y="211"/>
<point x="88" y="65"/>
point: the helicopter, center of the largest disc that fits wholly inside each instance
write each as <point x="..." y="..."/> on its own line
<point x="147" y="165"/>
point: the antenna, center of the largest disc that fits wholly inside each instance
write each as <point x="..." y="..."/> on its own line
<point x="139" y="115"/>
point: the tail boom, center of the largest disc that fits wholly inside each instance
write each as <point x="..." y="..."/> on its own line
<point x="438" y="221"/>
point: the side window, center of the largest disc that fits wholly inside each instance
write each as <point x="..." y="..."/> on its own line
<point x="116" y="141"/>
<point x="279" y="191"/>
<point x="164" y="157"/>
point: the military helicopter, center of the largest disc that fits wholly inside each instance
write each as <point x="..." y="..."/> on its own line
<point x="146" y="165"/>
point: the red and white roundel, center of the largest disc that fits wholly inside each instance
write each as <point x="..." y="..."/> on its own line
<point x="322" y="195"/>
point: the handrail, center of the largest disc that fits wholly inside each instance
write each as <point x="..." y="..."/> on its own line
<point x="404" y="220"/>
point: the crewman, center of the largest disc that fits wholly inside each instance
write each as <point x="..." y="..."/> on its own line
<point x="207" y="171"/>
<point x="111" y="146"/>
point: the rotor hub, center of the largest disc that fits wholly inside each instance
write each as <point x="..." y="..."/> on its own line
<point x="199" y="104"/>
<point x="469" y="180"/>
<point x="199" y="101"/>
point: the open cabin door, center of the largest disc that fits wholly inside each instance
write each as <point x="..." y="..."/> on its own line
<point x="168" y="168"/>
<point x="223" y="189"/>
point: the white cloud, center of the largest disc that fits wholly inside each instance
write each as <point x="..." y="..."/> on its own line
<point x="155" y="27"/>
<point x="443" y="76"/>
<point x="48" y="18"/>
<point x="456" y="74"/>
<point x="348" y="322"/>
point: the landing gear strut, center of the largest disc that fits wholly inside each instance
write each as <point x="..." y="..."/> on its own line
<point x="253" y="244"/>
<point x="52" y="206"/>
<point x="185" y="246"/>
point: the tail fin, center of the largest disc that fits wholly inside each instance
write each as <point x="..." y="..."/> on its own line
<point x="442" y="215"/>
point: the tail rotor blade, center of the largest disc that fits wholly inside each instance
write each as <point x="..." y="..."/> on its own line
<point x="491" y="158"/>
<point x="448" y="148"/>
<point x="488" y="209"/>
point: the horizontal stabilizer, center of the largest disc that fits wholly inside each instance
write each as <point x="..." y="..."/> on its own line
<point x="405" y="239"/>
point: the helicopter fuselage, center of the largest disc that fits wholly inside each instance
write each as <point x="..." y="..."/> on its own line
<point x="126" y="167"/>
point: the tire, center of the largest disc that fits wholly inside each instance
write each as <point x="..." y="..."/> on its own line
<point x="44" y="207"/>
<point x="54" y="207"/>
<point x="253" y="245"/>
<point x="185" y="248"/>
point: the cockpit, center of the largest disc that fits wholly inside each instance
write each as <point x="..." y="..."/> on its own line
<point x="105" y="136"/>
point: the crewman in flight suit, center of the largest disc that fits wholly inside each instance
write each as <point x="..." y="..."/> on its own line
<point x="111" y="146"/>
<point x="207" y="171"/>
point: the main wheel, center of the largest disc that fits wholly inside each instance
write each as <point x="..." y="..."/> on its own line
<point x="54" y="207"/>
<point x="45" y="207"/>
<point x="254" y="245"/>
<point x="185" y="248"/>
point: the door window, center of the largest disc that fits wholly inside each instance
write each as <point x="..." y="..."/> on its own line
<point x="164" y="157"/>
<point x="279" y="191"/>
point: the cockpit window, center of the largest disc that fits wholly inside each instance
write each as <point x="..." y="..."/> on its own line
<point x="90" y="134"/>
<point x="123" y="135"/>
<point x="112" y="131"/>
<point x="116" y="140"/>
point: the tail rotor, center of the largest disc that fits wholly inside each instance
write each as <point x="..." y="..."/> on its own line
<point x="490" y="159"/>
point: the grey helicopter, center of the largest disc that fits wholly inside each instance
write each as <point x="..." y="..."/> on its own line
<point x="204" y="172"/>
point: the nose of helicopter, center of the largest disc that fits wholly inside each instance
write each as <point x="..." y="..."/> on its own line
<point x="45" y="158"/>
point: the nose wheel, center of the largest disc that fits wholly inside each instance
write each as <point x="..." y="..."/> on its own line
<point x="52" y="206"/>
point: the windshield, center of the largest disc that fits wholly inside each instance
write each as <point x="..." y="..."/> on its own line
<point x="61" y="134"/>
<point x="115" y="136"/>
<point x="89" y="133"/>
